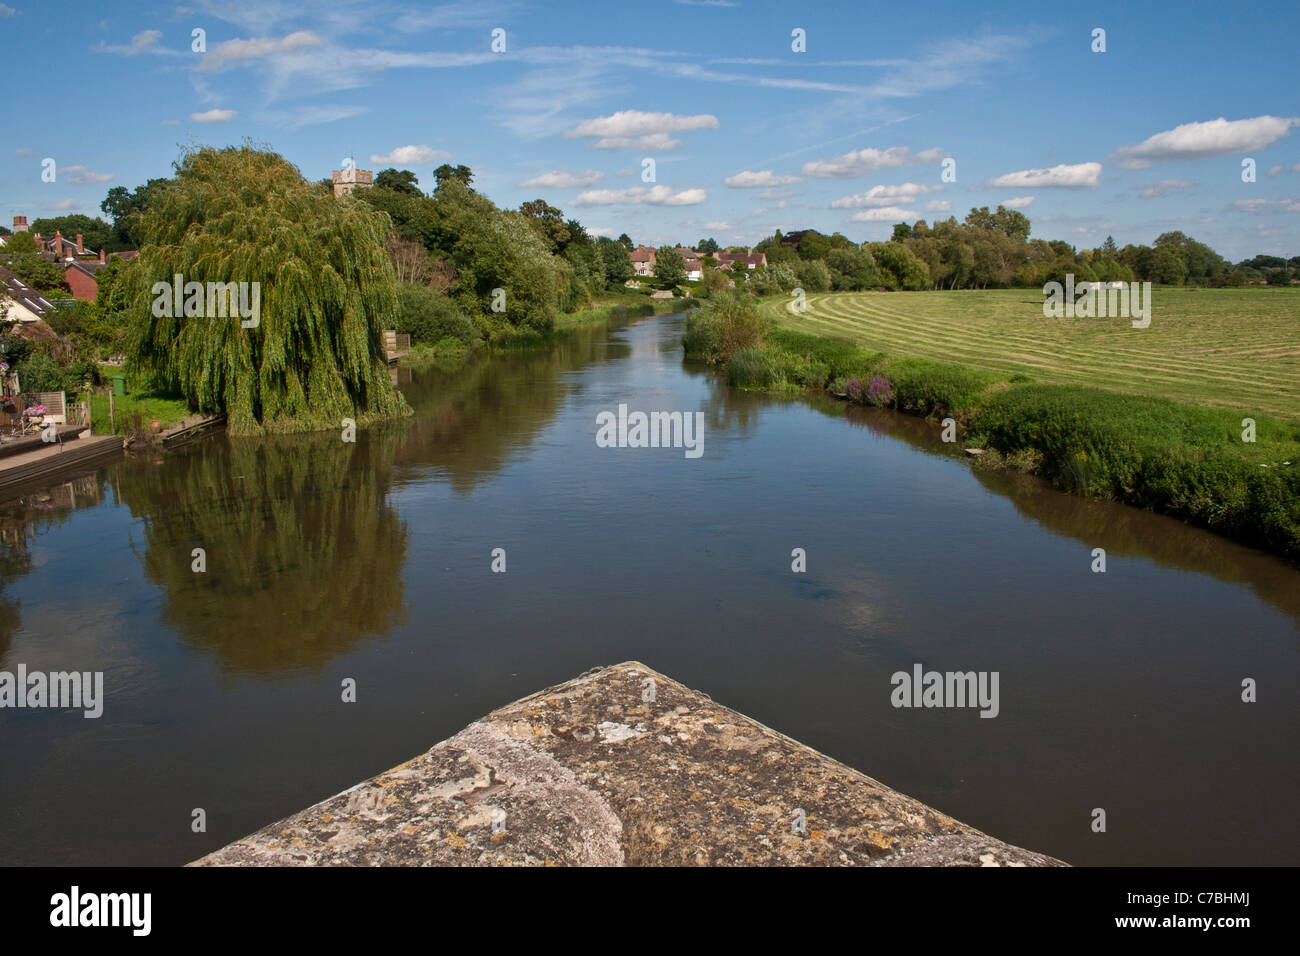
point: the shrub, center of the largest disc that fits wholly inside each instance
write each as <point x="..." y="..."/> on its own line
<point x="726" y="324"/>
<point x="430" y="317"/>
<point x="751" y="368"/>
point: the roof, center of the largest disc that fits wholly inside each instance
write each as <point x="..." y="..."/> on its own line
<point x="751" y="259"/>
<point x="19" y="291"/>
<point x="89" y="267"/>
<point x="642" y="254"/>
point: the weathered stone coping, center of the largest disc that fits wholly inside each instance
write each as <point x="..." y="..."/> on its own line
<point x="589" y="773"/>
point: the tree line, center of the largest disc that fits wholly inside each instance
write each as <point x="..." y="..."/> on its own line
<point x="991" y="250"/>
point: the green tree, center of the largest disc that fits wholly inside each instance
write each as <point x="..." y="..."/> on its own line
<point x="241" y="214"/>
<point x="446" y="172"/>
<point x="21" y="256"/>
<point x="96" y="234"/>
<point x="902" y="231"/>
<point x="1011" y="223"/>
<point x="1169" y="267"/>
<point x="125" y="207"/>
<point x="670" y="266"/>
<point x="625" y="241"/>
<point x="399" y="182"/>
<point x="707" y="247"/>
<point x="549" y="223"/>
<point x="899" y="267"/>
<point x="615" y="259"/>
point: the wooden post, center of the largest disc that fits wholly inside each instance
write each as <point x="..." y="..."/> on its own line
<point x="112" y="424"/>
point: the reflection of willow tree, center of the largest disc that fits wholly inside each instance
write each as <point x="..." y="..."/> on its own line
<point x="304" y="553"/>
<point x="469" y="421"/>
<point x="1133" y="532"/>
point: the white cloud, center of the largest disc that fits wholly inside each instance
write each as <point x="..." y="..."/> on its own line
<point x="938" y="205"/>
<point x="1155" y="190"/>
<point x="146" y="41"/>
<point x="884" y="196"/>
<point x="1219" y="137"/>
<point x="242" y="51"/>
<point x="1077" y="176"/>
<point x="1019" y="202"/>
<point x="309" y="116"/>
<point x="1258" y="207"/>
<point x="1276" y="170"/>
<point x="760" y="179"/>
<point x="720" y="226"/>
<point x="862" y="161"/>
<point x="23" y="152"/>
<point x="412" y="156"/>
<point x="634" y="129"/>
<point x="656" y="196"/>
<point x="213" y="116"/>
<point x="6" y="11"/>
<point x="563" y="179"/>
<point x="143" y="40"/>
<point x="884" y="214"/>
<point x="64" y="204"/>
<point x="87" y="176"/>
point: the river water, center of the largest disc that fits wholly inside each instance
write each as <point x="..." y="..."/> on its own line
<point x="328" y="561"/>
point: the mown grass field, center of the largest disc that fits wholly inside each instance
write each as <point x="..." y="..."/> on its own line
<point x="1227" y="348"/>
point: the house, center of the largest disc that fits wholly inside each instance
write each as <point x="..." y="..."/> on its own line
<point x="62" y="249"/>
<point x="643" y="261"/>
<point x="746" y="260"/>
<point x="19" y="302"/>
<point x="694" y="266"/>
<point x="80" y="278"/>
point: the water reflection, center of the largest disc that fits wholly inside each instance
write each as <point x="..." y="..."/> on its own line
<point x="304" y="552"/>
<point x="23" y="519"/>
<point x="470" y="421"/>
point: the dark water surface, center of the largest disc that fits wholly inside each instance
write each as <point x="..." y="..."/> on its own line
<point x="371" y="561"/>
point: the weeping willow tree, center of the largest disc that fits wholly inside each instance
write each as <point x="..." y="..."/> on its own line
<point x="324" y="293"/>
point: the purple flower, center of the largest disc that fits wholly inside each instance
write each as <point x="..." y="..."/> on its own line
<point x="879" y="391"/>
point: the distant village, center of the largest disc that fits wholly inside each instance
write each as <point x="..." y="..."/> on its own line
<point x="22" y="303"/>
<point x="643" y="261"/>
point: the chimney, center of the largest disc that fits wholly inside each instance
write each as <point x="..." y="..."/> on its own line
<point x="101" y="256"/>
<point x="20" y="224"/>
<point x="80" y="251"/>
<point x="58" y="244"/>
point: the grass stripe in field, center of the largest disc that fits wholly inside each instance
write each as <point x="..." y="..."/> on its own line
<point x="1228" y="347"/>
<point x="958" y="346"/>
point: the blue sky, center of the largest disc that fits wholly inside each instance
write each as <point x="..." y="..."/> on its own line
<point x="747" y="135"/>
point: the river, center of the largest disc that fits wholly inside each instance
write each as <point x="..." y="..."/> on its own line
<point x="328" y="561"/>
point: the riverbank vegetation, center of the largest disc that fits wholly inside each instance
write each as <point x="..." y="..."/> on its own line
<point x="1156" y="453"/>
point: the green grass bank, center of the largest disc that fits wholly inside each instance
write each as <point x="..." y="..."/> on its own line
<point x="1179" y="458"/>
